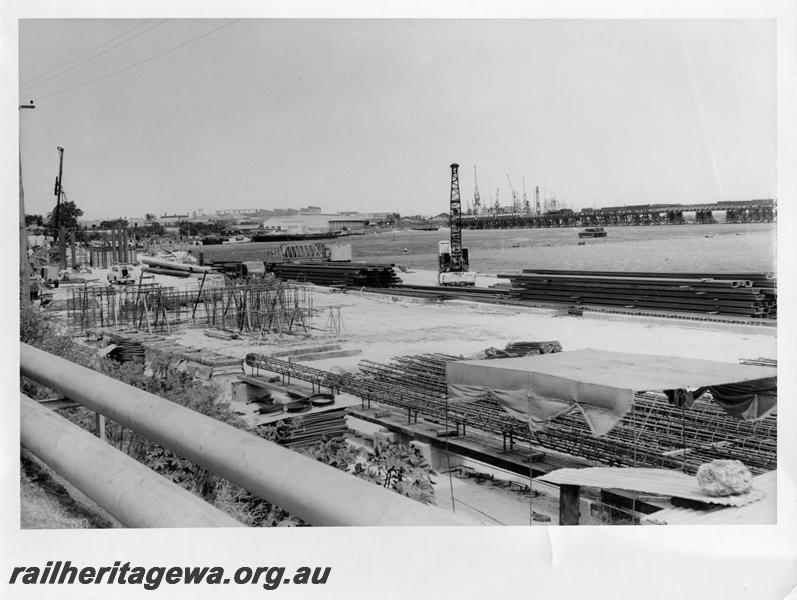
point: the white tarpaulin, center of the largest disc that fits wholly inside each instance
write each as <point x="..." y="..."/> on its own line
<point x="600" y="383"/>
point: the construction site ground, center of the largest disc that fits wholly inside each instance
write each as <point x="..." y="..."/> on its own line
<point x="379" y="327"/>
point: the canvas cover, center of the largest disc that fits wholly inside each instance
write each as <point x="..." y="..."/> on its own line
<point x="599" y="383"/>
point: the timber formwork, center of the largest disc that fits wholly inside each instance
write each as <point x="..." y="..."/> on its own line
<point x="654" y="433"/>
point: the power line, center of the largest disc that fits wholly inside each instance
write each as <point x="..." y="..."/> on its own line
<point x="85" y="53"/>
<point x="146" y="60"/>
<point x="122" y="43"/>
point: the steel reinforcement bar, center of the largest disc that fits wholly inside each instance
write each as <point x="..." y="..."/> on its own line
<point x="654" y="433"/>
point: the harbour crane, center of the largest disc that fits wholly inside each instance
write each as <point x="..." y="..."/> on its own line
<point x="497" y="202"/>
<point x="537" y="200"/>
<point x="526" y="206"/>
<point x="452" y="257"/>
<point x="515" y="200"/>
<point x="477" y="202"/>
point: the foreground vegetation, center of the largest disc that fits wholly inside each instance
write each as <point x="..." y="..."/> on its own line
<point x="395" y="467"/>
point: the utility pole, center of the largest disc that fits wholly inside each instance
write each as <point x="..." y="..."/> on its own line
<point x="58" y="190"/>
<point x="24" y="267"/>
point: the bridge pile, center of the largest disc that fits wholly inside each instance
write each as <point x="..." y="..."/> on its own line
<point x="354" y="274"/>
<point x="747" y="294"/>
<point x="653" y="434"/>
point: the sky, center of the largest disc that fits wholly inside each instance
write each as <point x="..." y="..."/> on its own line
<point x="368" y="114"/>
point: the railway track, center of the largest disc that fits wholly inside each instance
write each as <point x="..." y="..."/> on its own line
<point x="503" y="297"/>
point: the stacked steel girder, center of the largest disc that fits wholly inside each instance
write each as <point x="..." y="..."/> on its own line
<point x="355" y="274"/>
<point x="654" y="433"/>
<point x="747" y="294"/>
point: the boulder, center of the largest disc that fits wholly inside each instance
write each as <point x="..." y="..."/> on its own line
<point x="724" y="478"/>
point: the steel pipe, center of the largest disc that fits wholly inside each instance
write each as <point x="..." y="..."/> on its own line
<point x="319" y="494"/>
<point x="162" y="263"/>
<point x="132" y="493"/>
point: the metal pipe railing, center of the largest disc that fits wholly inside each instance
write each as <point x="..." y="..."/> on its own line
<point x="130" y="492"/>
<point x="315" y="492"/>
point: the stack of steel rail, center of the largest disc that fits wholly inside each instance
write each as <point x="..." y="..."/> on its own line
<point x="654" y="433"/>
<point x="747" y="294"/>
<point x="436" y="292"/>
<point x="354" y="274"/>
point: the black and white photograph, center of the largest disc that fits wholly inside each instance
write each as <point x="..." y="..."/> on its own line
<point x="379" y="303"/>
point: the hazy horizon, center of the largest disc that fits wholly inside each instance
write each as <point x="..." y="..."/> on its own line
<point x="179" y="115"/>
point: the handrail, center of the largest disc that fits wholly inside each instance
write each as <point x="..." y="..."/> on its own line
<point x="130" y="492"/>
<point x="315" y="492"/>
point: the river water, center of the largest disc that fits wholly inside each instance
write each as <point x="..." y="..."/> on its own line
<point x="700" y="248"/>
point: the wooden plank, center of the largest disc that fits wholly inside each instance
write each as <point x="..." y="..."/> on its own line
<point x="569" y="509"/>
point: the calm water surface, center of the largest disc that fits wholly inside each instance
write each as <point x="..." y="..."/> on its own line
<point x="710" y="248"/>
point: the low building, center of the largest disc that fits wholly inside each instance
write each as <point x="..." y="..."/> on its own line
<point x="172" y="220"/>
<point x="284" y="224"/>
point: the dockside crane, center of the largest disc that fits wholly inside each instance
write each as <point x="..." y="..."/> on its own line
<point x="477" y="202"/>
<point x="537" y="200"/>
<point x="515" y="199"/>
<point x="526" y="205"/>
<point x="452" y="257"/>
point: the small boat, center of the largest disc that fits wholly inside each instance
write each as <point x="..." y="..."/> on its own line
<point x="593" y="232"/>
<point x="425" y="228"/>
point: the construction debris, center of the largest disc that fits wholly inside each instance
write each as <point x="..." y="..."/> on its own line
<point x="523" y="349"/>
<point x="724" y="478"/>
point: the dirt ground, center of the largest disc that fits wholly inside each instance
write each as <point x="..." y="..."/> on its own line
<point x="382" y="326"/>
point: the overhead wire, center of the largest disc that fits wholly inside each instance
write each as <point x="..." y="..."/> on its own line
<point x="139" y="63"/>
<point x="87" y="52"/>
<point x="88" y="60"/>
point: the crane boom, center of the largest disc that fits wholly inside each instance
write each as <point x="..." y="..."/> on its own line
<point x="477" y="202"/>
<point x="452" y="257"/>
<point x="515" y="201"/>
<point x="455" y="221"/>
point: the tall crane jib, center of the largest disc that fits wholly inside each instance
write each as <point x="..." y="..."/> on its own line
<point x="455" y="221"/>
<point x="452" y="257"/>
<point x="477" y="202"/>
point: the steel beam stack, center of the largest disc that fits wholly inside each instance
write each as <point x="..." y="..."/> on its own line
<point x="355" y="274"/>
<point x="745" y="294"/>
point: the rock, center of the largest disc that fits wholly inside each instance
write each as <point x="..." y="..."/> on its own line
<point x="724" y="478"/>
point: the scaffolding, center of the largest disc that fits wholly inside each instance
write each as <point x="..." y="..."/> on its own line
<point x="254" y="307"/>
